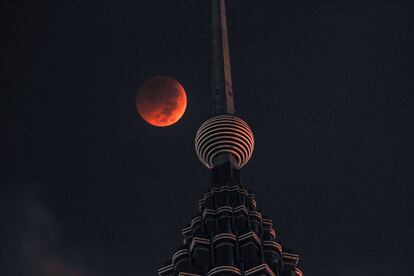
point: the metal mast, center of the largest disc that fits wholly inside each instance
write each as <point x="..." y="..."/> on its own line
<point x="224" y="143"/>
<point x="221" y="84"/>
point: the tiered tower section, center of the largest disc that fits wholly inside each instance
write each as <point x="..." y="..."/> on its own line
<point x="229" y="236"/>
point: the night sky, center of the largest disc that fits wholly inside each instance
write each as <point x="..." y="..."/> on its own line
<point x="88" y="188"/>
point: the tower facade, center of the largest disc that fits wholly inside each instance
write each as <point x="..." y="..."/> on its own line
<point x="228" y="235"/>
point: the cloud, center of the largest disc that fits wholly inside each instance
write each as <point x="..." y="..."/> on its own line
<point x="31" y="239"/>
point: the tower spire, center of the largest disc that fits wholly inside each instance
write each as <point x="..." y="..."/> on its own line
<point x="224" y="143"/>
<point x="228" y="236"/>
<point x="221" y="83"/>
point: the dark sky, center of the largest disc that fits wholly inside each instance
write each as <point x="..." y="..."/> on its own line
<point x="88" y="188"/>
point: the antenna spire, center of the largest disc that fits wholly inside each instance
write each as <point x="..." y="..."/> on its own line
<point x="224" y="143"/>
<point x="221" y="84"/>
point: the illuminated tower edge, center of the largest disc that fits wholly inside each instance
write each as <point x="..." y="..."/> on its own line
<point x="228" y="235"/>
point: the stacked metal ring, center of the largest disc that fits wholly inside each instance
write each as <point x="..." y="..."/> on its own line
<point x="224" y="134"/>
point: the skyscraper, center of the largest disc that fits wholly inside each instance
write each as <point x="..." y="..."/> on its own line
<point x="228" y="235"/>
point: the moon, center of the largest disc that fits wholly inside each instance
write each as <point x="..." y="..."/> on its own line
<point x="161" y="101"/>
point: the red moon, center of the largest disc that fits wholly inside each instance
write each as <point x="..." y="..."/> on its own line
<point x="161" y="101"/>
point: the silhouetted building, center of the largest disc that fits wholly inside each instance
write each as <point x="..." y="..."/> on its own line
<point x="228" y="236"/>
